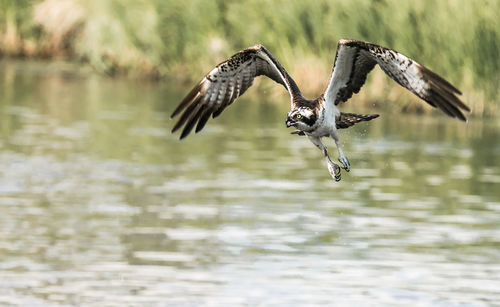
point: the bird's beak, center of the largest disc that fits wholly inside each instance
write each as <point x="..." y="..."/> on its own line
<point x="289" y="122"/>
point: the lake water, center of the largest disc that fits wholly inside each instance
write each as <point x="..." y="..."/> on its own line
<point x="101" y="206"/>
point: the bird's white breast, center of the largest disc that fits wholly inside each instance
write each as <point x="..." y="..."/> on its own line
<point x="326" y="124"/>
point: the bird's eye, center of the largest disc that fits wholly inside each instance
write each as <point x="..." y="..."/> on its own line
<point x="298" y="116"/>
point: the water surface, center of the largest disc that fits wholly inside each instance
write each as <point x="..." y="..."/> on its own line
<point x="101" y="206"/>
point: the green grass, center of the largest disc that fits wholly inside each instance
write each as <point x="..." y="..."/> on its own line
<point x="458" y="39"/>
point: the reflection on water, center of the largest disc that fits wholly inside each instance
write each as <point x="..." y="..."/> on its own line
<point x="101" y="206"/>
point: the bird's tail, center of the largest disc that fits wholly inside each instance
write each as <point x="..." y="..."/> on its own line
<point x="346" y="120"/>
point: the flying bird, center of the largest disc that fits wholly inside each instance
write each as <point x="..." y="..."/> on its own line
<point x="320" y="117"/>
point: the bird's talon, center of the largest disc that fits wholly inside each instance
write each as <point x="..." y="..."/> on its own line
<point x="334" y="170"/>
<point x="345" y="163"/>
<point x="337" y="173"/>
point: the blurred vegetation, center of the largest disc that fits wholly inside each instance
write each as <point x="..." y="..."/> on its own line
<point x="459" y="39"/>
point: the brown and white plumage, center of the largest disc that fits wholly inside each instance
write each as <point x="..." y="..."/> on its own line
<point x="226" y="82"/>
<point x="320" y="117"/>
<point x="355" y="59"/>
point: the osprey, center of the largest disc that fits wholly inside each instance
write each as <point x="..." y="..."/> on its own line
<point x="319" y="117"/>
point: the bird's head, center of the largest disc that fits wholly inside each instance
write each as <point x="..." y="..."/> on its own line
<point x="302" y="118"/>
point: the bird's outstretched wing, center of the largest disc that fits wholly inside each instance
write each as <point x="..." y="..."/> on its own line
<point x="355" y="59"/>
<point x="226" y="82"/>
